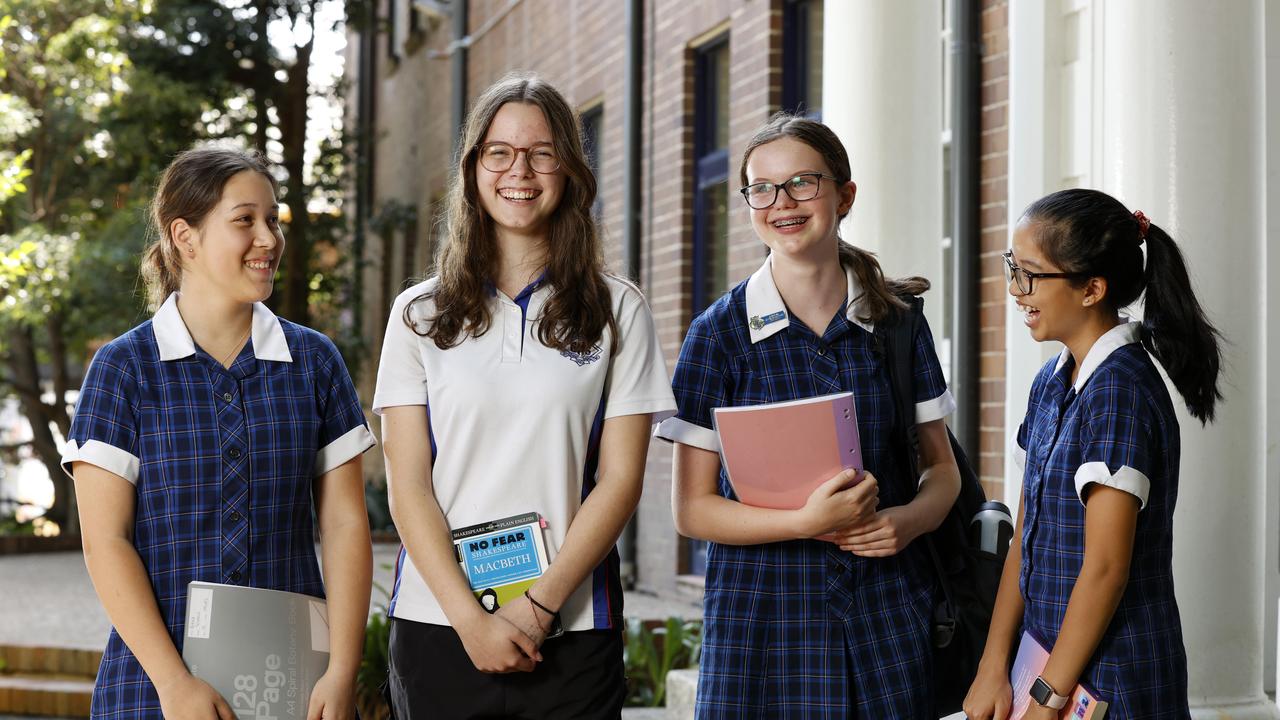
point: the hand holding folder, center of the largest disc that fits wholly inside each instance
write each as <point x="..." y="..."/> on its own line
<point x="777" y="454"/>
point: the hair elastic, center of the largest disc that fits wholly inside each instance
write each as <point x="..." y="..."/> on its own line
<point x="1143" y="223"/>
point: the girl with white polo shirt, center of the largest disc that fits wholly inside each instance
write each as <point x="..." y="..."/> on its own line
<point x="520" y="379"/>
<point x="203" y="441"/>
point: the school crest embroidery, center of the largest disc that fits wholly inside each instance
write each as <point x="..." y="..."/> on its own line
<point x="585" y="358"/>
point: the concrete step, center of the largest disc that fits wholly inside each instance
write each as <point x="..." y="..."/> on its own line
<point x="682" y="688"/>
<point x="45" y="694"/>
<point x="635" y="714"/>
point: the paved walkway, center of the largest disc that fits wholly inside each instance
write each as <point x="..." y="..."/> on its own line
<point x="47" y="599"/>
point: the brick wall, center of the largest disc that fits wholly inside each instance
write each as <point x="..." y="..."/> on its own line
<point x="994" y="213"/>
<point x="674" y="26"/>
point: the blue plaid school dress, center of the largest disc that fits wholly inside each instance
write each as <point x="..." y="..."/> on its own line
<point x="1115" y="426"/>
<point x="800" y="629"/>
<point x="223" y="461"/>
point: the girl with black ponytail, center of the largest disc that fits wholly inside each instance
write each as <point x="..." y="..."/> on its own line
<point x="1092" y="578"/>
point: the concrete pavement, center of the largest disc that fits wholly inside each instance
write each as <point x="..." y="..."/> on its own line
<point x="48" y="599"/>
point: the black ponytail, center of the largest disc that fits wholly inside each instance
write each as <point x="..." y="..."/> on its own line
<point x="1092" y="233"/>
<point x="1175" y="329"/>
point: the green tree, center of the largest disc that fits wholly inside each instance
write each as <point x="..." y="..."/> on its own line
<point x="270" y="85"/>
<point x="96" y="97"/>
<point x="84" y="134"/>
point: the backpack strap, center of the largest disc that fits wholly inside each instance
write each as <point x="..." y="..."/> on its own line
<point x="898" y="339"/>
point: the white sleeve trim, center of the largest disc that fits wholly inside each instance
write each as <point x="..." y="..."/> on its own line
<point x="108" y="457"/>
<point x="1019" y="454"/>
<point x="659" y="408"/>
<point x="1126" y="479"/>
<point x="384" y="402"/>
<point x="354" y="442"/>
<point x="673" y="429"/>
<point x="935" y="409"/>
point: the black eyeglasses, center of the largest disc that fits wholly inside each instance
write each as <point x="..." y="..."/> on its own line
<point x="499" y="157"/>
<point x="802" y="187"/>
<point x="1024" y="279"/>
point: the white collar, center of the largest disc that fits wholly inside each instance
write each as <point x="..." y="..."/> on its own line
<point x="174" y="340"/>
<point x="767" y="313"/>
<point x="1112" y="340"/>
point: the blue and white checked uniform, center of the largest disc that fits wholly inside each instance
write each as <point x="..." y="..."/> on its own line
<point x="1115" y="425"/>
<point x="800" y="629"/>
<point x="223" y="462"/>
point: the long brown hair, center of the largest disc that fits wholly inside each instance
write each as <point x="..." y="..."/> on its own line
<point x="190" y="188"/>
<point x="575" y="316"/>
<point x="882" y="296"/>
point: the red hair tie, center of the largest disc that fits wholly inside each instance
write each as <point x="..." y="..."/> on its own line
<point x="1143" y="223"/>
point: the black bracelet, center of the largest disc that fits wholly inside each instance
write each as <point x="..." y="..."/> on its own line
<point x="540" y="606"/>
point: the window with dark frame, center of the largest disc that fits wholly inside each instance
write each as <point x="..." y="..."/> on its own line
<point x="592" y="121"/>
<point x="710" y="200"/>
<point x="711" y="174"/>
<point x="802" y="57"/>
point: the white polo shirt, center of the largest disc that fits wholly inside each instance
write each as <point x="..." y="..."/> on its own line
<point x="516" y="425"/>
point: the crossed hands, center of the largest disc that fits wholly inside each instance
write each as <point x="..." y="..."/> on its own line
<point x="843" y="511"/>
<point x="506" y="641"/>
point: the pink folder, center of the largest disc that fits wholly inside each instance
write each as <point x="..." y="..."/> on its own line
<point x="776" y="454"/>
<point x="1027" y="666"/>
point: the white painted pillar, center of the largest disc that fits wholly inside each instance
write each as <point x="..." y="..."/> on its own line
<point x="882" y="94"/>
<point x="1036" y="106"/>
<point x="1272" y="294"/>
<point x="1183" y="133"/>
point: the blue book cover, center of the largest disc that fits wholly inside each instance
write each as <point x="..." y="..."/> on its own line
<point x="502" y="558"/>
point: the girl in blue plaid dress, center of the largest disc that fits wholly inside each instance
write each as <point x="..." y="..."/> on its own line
<point x="199" y="441"/>
<point x="797" y="627"/>
<point x="1092" y="578"/>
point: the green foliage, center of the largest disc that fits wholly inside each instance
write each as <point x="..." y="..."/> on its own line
<point x="34" y="265"/>
<point x="651" y="652"/>
<point x="393" y="216"/>
<point x="96" y="97"/>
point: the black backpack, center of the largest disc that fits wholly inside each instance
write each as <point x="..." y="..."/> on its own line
<point x="967" y="577"/>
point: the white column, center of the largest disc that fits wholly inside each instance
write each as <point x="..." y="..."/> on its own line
<point x="1038" y="103"/>
<point x="1272" y="293"/>
<point x="882" y="94"/>
<point x="1183" y="132"/>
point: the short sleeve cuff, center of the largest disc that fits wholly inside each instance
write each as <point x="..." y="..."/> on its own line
<point x="1018" y="453"/>
<point x="108" y="457"/>
<point x="659" y="408"/>
<point x="673" y="429"/>
<point x="1126" y="479"/>
<point x="380" y="403"/>
<point x="935" y="409"/>
<point x="356" y="440"/>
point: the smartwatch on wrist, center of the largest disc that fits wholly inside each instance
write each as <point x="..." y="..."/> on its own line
<point x="1044" y="695"/>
